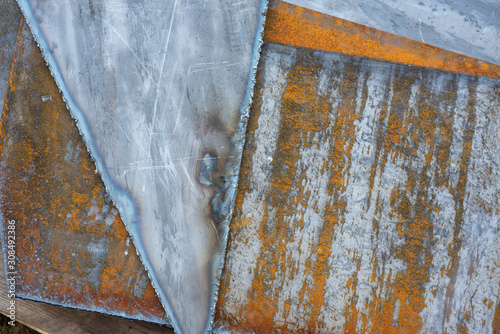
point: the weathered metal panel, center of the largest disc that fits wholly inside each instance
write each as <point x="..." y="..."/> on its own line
<point x="71" y="246"/>
<point x="368" y="200"/>
<point x="294" y="25"/>
<point x="159" y="90"/>
<point x="471" y="28"/>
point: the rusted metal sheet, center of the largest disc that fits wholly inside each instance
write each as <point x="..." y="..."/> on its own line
<point x="294" y="25"/>
<point x="161" y="90"/>
<point x="368" y="200"/>
<point x="71" y="246"/>
<point x="467" y="27"/>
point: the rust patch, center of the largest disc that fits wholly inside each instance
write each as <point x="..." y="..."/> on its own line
<point x="294" y="25"/>
<point x="496" y="320"/>
<point x="71" y="245"/>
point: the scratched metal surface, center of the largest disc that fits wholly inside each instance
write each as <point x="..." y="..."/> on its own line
<point x="471" y="28"/>
<point x="158" y="91"/>
<point x="71" y="245"/>
<point x="368" y="200"/>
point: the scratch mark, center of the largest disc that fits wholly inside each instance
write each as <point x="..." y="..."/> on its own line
<point x="130" y="48"/>
<point x="119" y="126"/>
<point x="215" y="67"/>
<point x="163" y="63"/>
<point x="216" y="232"/>
<point x="420" y="30"/>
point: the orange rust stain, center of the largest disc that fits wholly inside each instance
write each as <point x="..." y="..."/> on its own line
<point x="294" y="25"/>
<point x="431" y="128"/>
<point x="304" y="113"/>
<point x="419" y="137"/>
<point x="351" y="312"/>
<point x="343" y="138"/>
<point x="71" y="241"/>
<point x="496" y="320"/>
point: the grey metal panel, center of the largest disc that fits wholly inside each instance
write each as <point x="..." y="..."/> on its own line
<point x="156" y="88"/>
<point x="471" y="28"/>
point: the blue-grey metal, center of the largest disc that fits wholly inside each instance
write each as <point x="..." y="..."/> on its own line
<point x="9" y="28"/>
<point x="160" y="93"/>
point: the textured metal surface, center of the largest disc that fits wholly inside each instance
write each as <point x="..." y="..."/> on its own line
<point x="10" y="15"/>
<point x="368" y="200"/>
<point x="471" y="28"/>
<point x="294" y="25"/>
<point x="72" y="248"/>
<point x="158" y="90"/>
